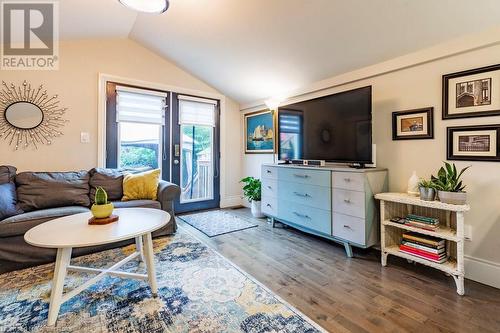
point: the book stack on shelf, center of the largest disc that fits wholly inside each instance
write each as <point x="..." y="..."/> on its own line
<point x="422" y="246"/>
<point x="422" y="222"/>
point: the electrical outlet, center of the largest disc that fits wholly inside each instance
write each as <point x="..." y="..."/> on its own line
<point x="85" y="137"/>
<point x="468" y="232"/>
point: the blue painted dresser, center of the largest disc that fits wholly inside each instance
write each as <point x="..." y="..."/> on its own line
<point x="334" y="202"/>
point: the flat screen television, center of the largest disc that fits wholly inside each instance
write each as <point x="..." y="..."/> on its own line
<point x="334" y="128"/>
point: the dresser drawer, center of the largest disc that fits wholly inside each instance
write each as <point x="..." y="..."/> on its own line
<point x="305" y="176"/>
<point x="312" y="218"/>
<point x="269" y="172"/>
<point x="269" y="187"/>
<point x="269" y="206"/>
<point x="349" y="228"/>
<point x="349" y="202"/>
<point x="348" y="181"/>
<point x="309" y="195"/>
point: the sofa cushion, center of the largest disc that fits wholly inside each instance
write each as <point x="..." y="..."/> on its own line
<point x="20" y="224"/>
<point x="141" y="186"/>
<point x="8" y="201"/>
<point x="39" y="190"/>
<point x="111" y="180"/>
<point x="7" y="173"/>
<point x="137" y="204"/>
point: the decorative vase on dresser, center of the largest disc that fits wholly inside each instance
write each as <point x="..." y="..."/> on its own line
<point x="335" y="202"/>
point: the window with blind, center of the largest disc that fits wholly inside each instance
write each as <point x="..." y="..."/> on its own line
<point x="140" y="118"/>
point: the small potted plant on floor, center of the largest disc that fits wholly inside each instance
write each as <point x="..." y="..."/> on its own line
<point x="252" y="191"/>
<point x="426" y="189"/>
<point x="101" y="208"/>
<point x="449" y="186"/>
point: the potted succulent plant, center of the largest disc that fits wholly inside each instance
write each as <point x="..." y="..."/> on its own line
<point x="252" y="191"/>
<point x="101" y="207"/>
<point x="449" y="185"/>
<point x="426" y="189"/>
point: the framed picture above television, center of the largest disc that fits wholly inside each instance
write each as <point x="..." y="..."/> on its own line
<point x="472" y="93"/>
<point x="259" y="132"/>
<point x="413" y="124"/>
<point x="474" y="143"/>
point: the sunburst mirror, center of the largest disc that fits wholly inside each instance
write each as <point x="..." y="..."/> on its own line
<point x="29" y="116"/>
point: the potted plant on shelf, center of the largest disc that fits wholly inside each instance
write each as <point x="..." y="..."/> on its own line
<point x="449" y="185"/>
<point x="252" y="191"/>
<point x="426" y="189"/>
<point x="101" y="208"/>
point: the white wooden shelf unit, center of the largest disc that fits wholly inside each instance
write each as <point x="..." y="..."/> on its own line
<point x="451" y="229"/>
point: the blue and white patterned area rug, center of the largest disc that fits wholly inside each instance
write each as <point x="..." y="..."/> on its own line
<point x="216" y="222"/>
<point x="199" y="291"/>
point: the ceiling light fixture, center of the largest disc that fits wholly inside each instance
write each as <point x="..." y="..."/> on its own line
<point x="146" y="6"/>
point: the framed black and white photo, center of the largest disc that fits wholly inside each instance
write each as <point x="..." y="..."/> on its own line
<point x="472" y="93"/>
<point x="474" y="143"/>
<point x="413" y="124"/>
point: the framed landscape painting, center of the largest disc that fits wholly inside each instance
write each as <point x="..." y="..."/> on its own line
<point x="474" y="143"/>
<point x="472" y="93"/>
<point x="259" y="133"/>
<point x="413" y="124"/>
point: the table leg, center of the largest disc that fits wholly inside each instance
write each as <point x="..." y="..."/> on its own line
<point x="62" y="261"/>
<point x="150" y="263"/>
<point x="139" y="248"/>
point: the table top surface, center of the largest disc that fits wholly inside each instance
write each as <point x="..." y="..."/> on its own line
<point x="74" y="230"/>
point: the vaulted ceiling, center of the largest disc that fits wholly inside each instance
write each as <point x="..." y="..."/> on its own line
<point x="255" y="49"/>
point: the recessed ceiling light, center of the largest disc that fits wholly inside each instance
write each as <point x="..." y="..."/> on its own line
<point x="146" y="6"/>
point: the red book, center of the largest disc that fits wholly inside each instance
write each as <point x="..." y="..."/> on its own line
<point x="422" y="253"/>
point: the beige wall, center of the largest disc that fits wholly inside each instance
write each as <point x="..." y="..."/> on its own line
<point x="76" y="83"/>
<point x="418" y="87"/>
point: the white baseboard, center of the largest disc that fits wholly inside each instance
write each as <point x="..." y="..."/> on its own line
<point x="483" y="271"/>
<point x="230" y="201"/>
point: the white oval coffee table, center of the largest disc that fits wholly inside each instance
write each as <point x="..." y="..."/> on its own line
<point x="71" y="231"/>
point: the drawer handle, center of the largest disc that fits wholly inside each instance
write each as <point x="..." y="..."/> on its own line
<point x="347" y="227"/>
<point x="348" y="201"/>
<point x="268" y="171"/>
<point x="302" y="215"/>
<point x="304" y="195"/>
<point x="269" y="187"/>
<point x="269" y="205"/>
<point x="301" y="176"/>
<point x="347" y="180"/>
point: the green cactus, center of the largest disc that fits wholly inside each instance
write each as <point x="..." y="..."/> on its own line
<point x="101" y="197"/>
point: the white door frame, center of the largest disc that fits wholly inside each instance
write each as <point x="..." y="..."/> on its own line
<point x="101" y="116"/>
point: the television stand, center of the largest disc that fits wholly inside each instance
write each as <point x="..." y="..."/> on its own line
<point x="333" y="201"/>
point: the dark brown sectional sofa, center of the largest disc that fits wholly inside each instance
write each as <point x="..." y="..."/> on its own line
<point x="28" y="199"/>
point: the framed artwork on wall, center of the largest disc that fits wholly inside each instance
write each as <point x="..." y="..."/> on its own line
<point x="413" y="124"/>
<point x="472" y="93"/>
<point x="259" y="132"/>
<point x="473" y="143"/>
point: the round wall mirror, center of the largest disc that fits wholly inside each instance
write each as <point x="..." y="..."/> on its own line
<point x="24" y="115"/>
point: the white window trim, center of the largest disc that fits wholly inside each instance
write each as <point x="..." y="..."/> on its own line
<point x="101" y="117"/>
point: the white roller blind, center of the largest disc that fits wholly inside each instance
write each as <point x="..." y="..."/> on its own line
<point x="196" y="111"/>
<point x="140" y="105"/>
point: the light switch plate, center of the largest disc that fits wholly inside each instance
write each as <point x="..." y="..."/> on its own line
<point x="468" y="232"/>
<point x="85" y="137"/>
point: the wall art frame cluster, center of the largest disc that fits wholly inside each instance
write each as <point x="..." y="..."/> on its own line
<point x="466" y="94"/>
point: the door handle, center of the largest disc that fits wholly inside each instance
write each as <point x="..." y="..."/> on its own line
<point x="176" y="162"/>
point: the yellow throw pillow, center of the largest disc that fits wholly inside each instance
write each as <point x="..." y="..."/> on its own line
<point x="141" y="186"/>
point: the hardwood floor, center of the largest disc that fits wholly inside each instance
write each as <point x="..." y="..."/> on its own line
<point x="355" y="294"/>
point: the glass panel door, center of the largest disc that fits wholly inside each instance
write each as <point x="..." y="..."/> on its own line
<point x="196" y="159"/>
<point x="195" y="165"/>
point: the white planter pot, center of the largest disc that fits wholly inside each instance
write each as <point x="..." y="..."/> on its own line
<point x="455" y="198"/>
<point x="256" y="209"/>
